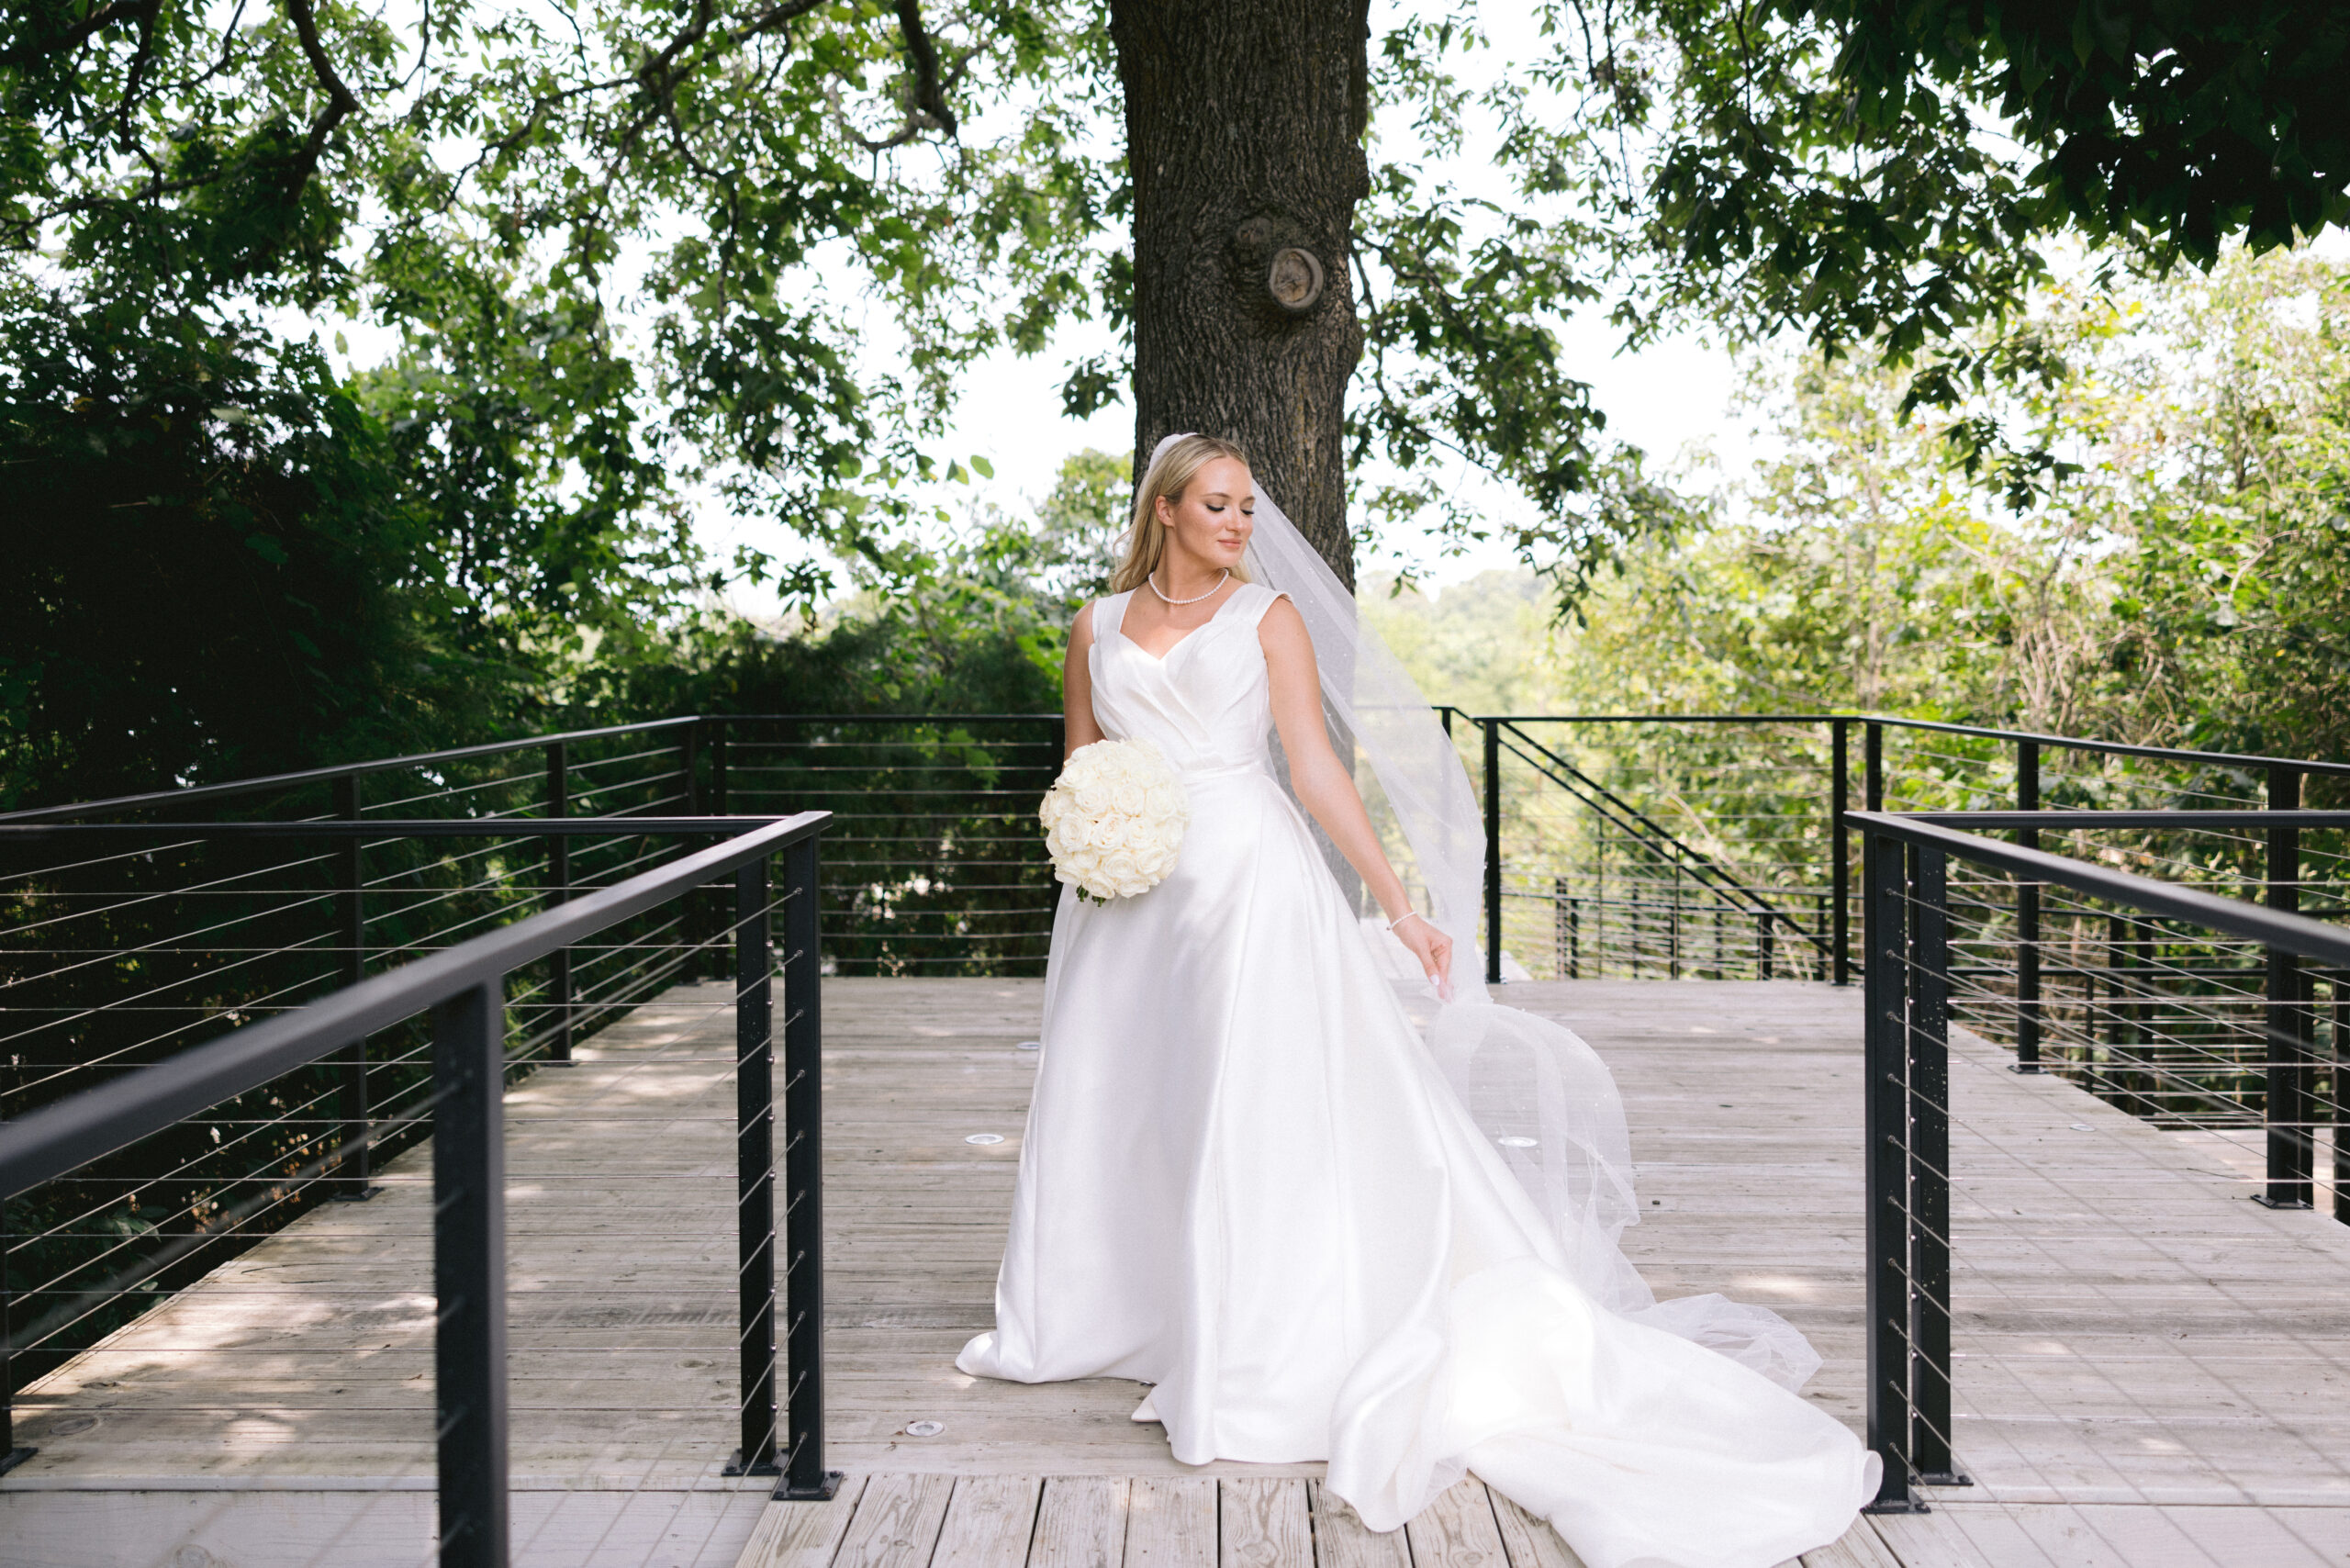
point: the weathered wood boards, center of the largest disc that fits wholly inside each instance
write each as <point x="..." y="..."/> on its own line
<point x="2152" y="1370"/>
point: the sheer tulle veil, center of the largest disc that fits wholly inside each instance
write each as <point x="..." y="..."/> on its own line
<point x="1535" y="1088"/>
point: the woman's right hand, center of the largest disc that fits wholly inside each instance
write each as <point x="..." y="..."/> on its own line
<point x="1431" y="947"/>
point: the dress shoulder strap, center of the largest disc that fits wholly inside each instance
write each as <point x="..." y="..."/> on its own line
<point x="1108" y="613"/>
<point x="1259" y="598"/>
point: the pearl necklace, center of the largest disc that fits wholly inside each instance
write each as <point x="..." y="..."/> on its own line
<point x="1152" y="579"/>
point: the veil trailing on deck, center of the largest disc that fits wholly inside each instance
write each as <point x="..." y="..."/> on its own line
<point x="1534" y="1087"/>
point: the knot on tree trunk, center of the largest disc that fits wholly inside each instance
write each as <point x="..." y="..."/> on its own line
<point x="1274" y="270"/>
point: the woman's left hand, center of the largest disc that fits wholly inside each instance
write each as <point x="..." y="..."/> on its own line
<point x="1432" y="947"/>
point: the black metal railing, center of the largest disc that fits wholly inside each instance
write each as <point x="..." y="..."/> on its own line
<point x="1618" y="846"/>
<point x="1646" y="845"/>
<point x="1643" y="847"/>
<point x="1933" y="889"/>
<point x="73" y="1145"/>
<point x="935" y="865"/>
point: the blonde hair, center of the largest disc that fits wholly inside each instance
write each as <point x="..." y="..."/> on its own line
<point x="1178" y="463"/>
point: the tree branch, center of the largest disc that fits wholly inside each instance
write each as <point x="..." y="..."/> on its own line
<point x="929" y="95"/>
<point x="341" y="104"/>
<point x="111" y="12"/>
<point x="774" y="17"/>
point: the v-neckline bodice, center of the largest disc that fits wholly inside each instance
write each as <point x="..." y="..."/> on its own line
<point x="1162" y="658"/>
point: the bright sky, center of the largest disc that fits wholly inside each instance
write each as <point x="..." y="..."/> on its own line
<point x="1662" y="399"/>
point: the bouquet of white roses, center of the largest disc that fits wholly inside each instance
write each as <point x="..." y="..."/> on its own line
<point x="1114" y="819"/>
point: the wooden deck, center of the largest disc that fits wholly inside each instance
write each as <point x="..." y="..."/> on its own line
<point x="2152" y="1370"/>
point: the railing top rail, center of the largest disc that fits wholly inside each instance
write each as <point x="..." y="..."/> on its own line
<point x="2251" y="922"/>
<point x="2097" y="816"/>
<point x="2069" y="742"/>
<point x="56" y="1138"/>
<point x="1647" y="718"/>
<point x="2246" y="816"/>
<point x="872" y="718"/>
<point x="321" y="775"/>
<point x="386" y="828"/>
<point x="233" y="787"/>
<point x="2110" y="748"/>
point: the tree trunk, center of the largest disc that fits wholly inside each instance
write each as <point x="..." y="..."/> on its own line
<point x="1244" y="140"/>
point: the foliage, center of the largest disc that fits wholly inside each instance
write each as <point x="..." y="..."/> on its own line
<point x="2188" y="585"/>
<point x="617" y="261"/>
<point x="1887" y="176"/>
<point x="178" y="487"/>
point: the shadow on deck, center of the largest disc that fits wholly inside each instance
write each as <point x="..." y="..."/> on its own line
<point x="2152" y="1370"/>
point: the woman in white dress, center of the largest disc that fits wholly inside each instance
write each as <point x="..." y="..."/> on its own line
<point x="1253" y="1178"/>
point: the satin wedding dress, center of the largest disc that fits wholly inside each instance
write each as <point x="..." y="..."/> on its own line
<point x="1246" y="1181"/>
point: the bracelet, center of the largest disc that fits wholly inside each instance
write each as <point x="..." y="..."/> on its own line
<point x="1407" y="914"/>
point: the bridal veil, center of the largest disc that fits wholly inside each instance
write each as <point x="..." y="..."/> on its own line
<point x="1535" y="1089"/>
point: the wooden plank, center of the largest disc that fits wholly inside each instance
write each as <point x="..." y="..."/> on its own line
<point x="1082" y="1523"/>
<point x="1458" y="1530"/>
<point x="1342" y="1540"/>
<point x="990" y="1522"/>
<point x="1860" y="1548"/>
<point x="1935" y="1541"/>
<point x="897" y="1521"/>
<point x="1171" y="1523"/>
<point x="802" y="1535"/>
<point x="1529" y="1542"/>
<point x="1262" y="1524"/>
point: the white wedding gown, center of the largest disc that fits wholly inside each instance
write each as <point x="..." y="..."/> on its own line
<point x="1245" y="1181"/>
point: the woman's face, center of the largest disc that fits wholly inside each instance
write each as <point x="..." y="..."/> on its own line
<point x="1211" y="523"/>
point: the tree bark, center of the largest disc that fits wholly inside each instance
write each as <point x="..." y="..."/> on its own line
<point x="1244" y="141"/>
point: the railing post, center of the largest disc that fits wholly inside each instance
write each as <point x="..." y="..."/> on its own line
<point x="469" y="1274"/>
<point x="1568" y="938"/>
<point x="1492" y="850"/>
<point x="1673" y="922"/>
<point x="2028" y="917"/>
<point x="804" y="1475"/>
<point x="11" y="1455"/>
<point x="1929" y="1096"/>
<point x="353" y="1144"/>
<point x="1765" y="954"/>
<point x="716" y="728"/>
<point x="2291" y="1148"/>
<point x="755" y="1171"/>
<point x="559" y="892"/>
<point x="1886" y="1132"/>
<point x="703" y="960"/>
<point x="2340" y="984"/>
<point x="1873" y="768"/>
<point x="1839" y="801"/>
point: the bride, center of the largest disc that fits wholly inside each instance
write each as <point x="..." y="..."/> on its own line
<point x="1295" y="1171"/>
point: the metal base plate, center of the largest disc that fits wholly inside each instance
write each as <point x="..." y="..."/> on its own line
<point x="734" y="1466"/>
<point x="359" y="1197"/>
<point x="2266" y="1201"/>
<point x="1898" y="1505"/>
<point x="821" y="1492"/>
<point x="1945" y="1478"/>
<point x="15" y="1457"/>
